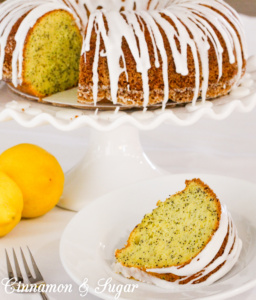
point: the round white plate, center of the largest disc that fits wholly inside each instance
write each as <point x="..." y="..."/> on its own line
<point x="89" y="241"/>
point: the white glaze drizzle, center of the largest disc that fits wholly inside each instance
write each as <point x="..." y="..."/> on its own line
<point x="201" y="264"/>
<point x="184" y="13"/>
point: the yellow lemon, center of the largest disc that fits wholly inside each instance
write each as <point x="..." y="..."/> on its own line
<point x="11" y="204"/>
<point x="38" y="174"/>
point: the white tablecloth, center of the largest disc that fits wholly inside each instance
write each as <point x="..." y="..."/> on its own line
<point x="227" y="148"/>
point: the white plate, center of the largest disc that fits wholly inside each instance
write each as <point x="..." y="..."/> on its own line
<point x="89" y="241"/>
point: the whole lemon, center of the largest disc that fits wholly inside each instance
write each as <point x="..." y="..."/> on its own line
<point x="11" y="204"/>
<point x="38" y="174"/>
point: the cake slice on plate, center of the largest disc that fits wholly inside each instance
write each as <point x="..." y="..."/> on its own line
<point x="188" y="239"/>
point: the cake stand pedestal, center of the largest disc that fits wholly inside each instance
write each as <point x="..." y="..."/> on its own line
<point x="115" y="157"/>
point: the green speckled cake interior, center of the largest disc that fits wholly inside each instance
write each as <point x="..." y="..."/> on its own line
<point x="175" y="232"/>
<point x="52" y="54"/>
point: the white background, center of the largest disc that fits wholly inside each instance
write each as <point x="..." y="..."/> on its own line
<point x="214" y="147"/>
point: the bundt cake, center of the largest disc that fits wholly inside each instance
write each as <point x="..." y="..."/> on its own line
<point x="188" y="239"/>
<point x="134" y="52"/>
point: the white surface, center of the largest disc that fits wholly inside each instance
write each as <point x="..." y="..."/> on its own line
<point x="98" y="230"/>
<point x="226" y="148"/>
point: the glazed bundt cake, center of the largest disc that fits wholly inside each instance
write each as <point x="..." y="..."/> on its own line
<point x="188" y="239"/>
<point x="134" y="52"/>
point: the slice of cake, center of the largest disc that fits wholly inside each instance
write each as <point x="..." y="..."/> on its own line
<point x="188" y="239"/>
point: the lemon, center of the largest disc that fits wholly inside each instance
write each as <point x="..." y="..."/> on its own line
<point x="38" y="174"/>
<point x="11" y="204"/>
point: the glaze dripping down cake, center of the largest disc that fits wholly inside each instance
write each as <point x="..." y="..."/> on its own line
<point x="127" y="52"/>
<point x="190" y="239"/>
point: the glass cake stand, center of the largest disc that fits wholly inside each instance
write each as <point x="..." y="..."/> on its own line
<point x="114" y="157"/>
